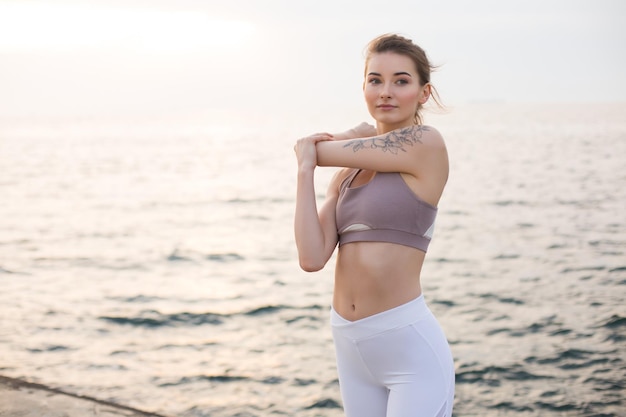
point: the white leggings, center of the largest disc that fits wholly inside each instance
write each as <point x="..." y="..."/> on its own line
<point x="394" y="364"/>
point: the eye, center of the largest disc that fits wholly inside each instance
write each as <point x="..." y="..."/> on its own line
<point x="374" y="81"/>
<point x="402" y="81"/>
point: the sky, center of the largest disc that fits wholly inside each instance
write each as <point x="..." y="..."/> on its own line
<point x="271" y="58"/>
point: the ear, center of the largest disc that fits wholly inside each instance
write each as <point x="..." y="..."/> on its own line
<point x="426" y="91"/>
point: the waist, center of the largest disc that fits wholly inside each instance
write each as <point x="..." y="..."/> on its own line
<point x="374" y="277"/>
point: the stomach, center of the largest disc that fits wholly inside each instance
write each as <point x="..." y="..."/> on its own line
<point x="372" y="277"/>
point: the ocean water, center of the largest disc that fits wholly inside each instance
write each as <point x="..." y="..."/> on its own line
<point x="152" y="263"/>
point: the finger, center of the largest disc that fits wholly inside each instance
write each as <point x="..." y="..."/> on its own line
<point x="323" y="139"/>
<point x="323" y="134"/>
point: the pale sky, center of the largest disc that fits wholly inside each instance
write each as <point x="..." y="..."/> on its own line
<point x="273" y="57"/>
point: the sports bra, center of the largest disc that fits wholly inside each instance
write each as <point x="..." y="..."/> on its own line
<point x="383" y="210"/>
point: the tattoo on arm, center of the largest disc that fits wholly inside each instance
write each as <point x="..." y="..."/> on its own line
<point x="393" y="141"/>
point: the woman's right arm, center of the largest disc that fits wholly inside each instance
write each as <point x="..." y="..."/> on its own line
<point x="315" y="232"/>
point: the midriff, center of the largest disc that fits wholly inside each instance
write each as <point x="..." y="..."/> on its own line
<point x="372" y="277"/>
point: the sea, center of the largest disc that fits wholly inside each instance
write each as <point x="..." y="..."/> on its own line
<point x="151" y="263"/>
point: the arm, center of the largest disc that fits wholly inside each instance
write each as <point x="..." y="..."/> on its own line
<point x="315" y="233"/>
<point x="402" y="150"/>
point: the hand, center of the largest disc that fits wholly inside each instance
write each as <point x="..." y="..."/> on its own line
<point x="364" y="130"/>
<point x="306" y="152"/>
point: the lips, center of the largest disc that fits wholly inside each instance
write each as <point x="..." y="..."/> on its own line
<point x="386" y="107"/>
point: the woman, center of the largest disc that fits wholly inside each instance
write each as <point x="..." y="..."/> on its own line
<point x="393" y="359"/>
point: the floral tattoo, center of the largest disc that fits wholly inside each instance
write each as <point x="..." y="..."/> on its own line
<point x="393" y="141"/>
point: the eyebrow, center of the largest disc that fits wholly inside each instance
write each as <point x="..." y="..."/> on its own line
<point x="395" y="74"/>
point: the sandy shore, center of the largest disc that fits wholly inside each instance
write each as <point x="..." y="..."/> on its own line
<point x="25" y="399"/>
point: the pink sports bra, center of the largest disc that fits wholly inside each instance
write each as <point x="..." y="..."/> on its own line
<point x="383" y="210"/>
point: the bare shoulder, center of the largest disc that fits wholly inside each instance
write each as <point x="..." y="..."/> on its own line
<point x="407" y="137"/>
<point x="338" y="177"/>
<point x="434" y="148"/>
<point x="431" y="136"/>
<point x="433" y="163"/>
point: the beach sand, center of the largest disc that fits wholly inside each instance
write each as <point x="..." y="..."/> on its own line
<point x="26" y="399"/>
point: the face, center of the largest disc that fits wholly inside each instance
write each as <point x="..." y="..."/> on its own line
<point x="392" y="90"/>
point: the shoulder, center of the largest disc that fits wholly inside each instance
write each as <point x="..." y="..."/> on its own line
<point x="425" y="141"/>
<point x="433" y="160"/>
<point x="338" y="178"/>
<point x="424" y="135"/>
<point x="432" y="145"/>
<point x="430" y="136"/>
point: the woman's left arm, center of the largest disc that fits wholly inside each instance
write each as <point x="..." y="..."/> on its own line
<point x="400" y="150"/>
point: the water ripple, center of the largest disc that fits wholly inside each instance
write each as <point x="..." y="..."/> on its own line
<point x="153" y="318"/>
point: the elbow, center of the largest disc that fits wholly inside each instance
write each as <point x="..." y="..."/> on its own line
<point x="310" y="265"/>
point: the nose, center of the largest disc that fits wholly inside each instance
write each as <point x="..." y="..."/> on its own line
<point x="384" y="91"/>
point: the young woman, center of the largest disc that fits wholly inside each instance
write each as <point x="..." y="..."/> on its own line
<point x="393" y="359"/>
